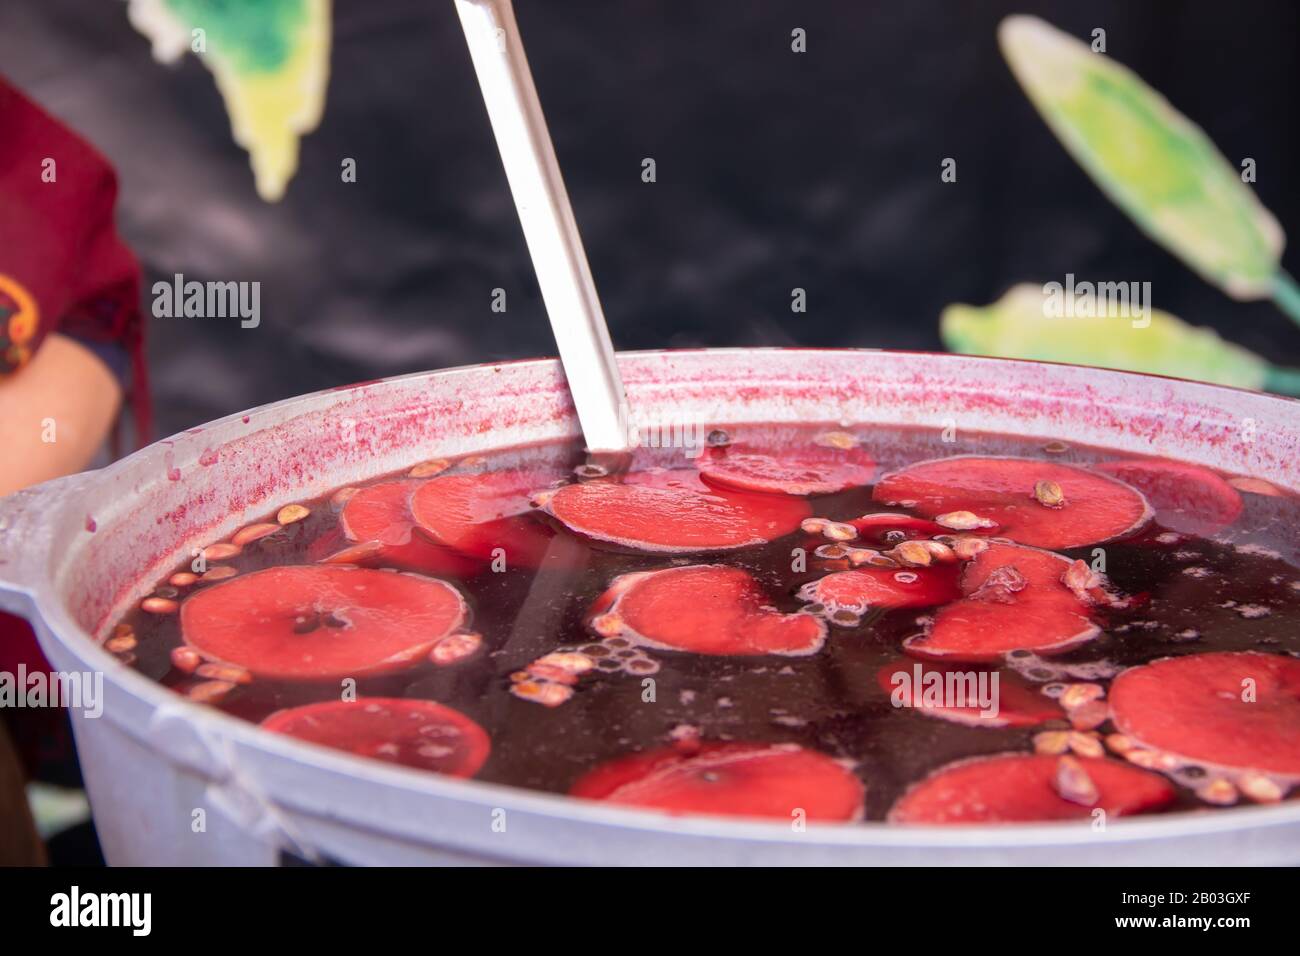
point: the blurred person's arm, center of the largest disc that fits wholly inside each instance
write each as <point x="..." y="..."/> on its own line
<point x="55" y="413"/>
<point x="71" y="324"/>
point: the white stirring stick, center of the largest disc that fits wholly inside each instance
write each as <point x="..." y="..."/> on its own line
<point x="549" y="227"/>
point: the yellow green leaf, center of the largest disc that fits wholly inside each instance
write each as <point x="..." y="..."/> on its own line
<point x="1020" y="325"/>
<point x="270" y="59"/>
<point x="1152" y="161"/>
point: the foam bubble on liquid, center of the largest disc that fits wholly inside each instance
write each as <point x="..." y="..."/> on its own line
<point x="1258" y="550"/>
<point x="1032" y="667"/>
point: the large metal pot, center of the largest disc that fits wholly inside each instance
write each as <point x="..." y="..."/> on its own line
<point x="75" y="552"/>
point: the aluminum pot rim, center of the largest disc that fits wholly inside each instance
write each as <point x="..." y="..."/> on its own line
<point x="865" y="834"/>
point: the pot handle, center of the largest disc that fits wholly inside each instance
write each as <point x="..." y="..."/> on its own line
<point x="27" y="530"/>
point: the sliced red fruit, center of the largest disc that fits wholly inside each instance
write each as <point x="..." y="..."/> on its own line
<point x="413" y="733"/>
<point x="1187" y="498"/>
<point x="326" y="544"/>
<point x="1021" y="788"/>
<point x="453" y="509"/>
<point x="1257" y="486"/>
<point x="380" y="513"/>
<point x="811" y="471"/>
<point x="677" y="518"/>
<point x="952" y="692"/>
<point x="1238" y="710"/>
<point x="687" y="479"/>
<point x="730" y="779"/>
<point x="863" y="588"/>
<point x="875" y="526"/>
<point x="1096" y="507"/>
<point x="485" y="515"/>
<point x="704" y="609"/>
<point x="1013" y="599"/>
<point x="321" y="622"/>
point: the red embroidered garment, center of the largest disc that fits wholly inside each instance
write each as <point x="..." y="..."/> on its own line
<point x="63" y="268"/>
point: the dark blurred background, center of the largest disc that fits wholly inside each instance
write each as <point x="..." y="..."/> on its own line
<point x="775" y="170"/>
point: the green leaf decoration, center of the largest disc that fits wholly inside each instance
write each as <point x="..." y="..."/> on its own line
<point x="1152" y="161"/>
<point x="270" y="59"/>
<point x="1019" y="326"/>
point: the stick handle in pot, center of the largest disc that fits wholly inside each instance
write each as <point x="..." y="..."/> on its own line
<point x="550" y="230"/>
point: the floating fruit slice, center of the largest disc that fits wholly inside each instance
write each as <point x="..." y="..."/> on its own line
<point x="1238" y="710"/>
<point x="1023" y="788"/>
<point x="1187" y="498"/>
<point x="875" y="526"/>
<point x="730" y="779"/>
<point x="1020" y="494"/>
<point x="485" y="515"/>
<point x="863" y="588"/>
<point x="681" y="478"/>
<point x="812" y="471"/>
<point x="321" y="622"/>
<point x="1257" y="486"/>
<point x="681" y="519"/>
<point x="380" y="513"/>
<point x="454" y="509"/>
<point x="1015" y="598"/>
<point x="966" y="696"/>
<point x="413" y="733"/>
<point x="704" y="609"/>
